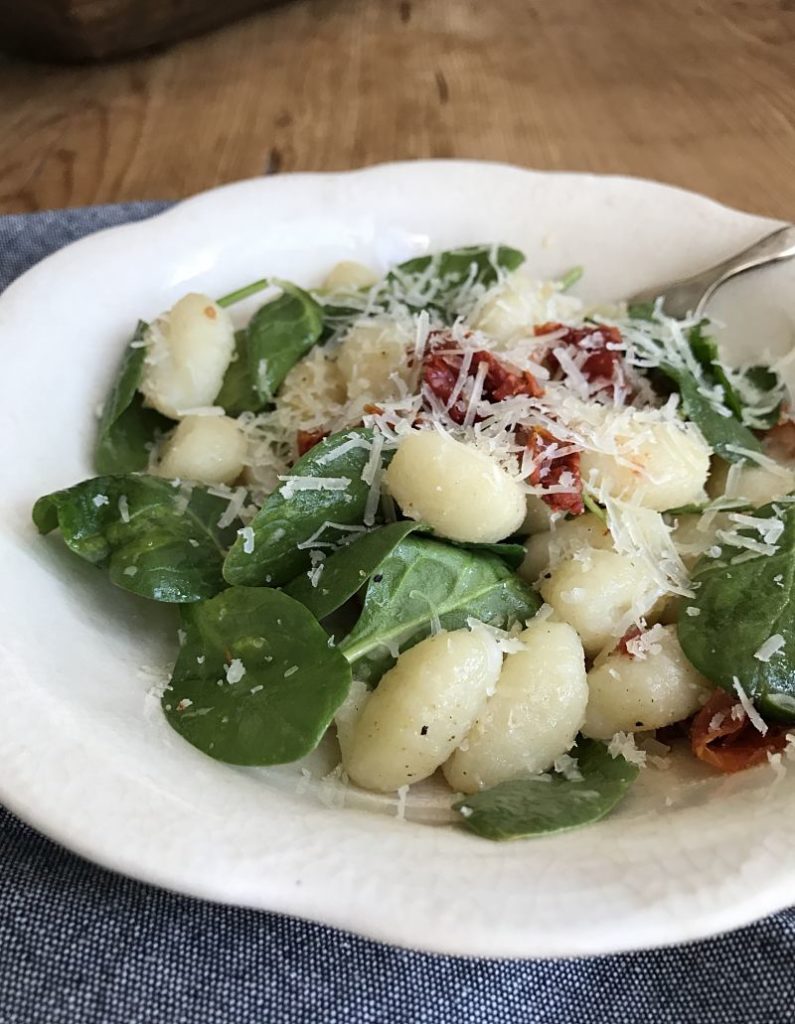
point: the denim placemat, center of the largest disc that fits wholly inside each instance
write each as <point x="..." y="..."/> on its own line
<point x="80" y="945"/>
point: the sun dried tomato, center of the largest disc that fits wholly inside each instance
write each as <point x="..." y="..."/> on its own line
<point x="307" y="439"/>
<point x="631" y="634"/>
<point x="549" y="469"/>
<point x="441" y="371"/>
<point x="604" y="364"/>
<point x="780" y="441"/>
<point x="722" y="735"/>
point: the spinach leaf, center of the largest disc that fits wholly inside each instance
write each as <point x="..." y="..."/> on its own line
<point x="156" y="540"/>
<point x="347" y="570"/>
<point x="571" y="277"/>
<point x="437" y="280"/>
<point x="705" y="349"/>
<point x="421" y="581"/>
<point x="722" y="433"/>
<point x="291" y="515"/>
<point x="255" y="682"/>
<point x="243" y="293"/>
<point x="594" y="507"/>
<point x="127" y="430"/>
<point x="279" y="334"/>
<point x="737" y="607"/>
<point x="532" y="807"/>
<point x="767" y="395"/>
<point x="237" y="393"/>
<point x="337" y="318"/>
<point x="511" y="554"/>
<point x="754" y="394"/>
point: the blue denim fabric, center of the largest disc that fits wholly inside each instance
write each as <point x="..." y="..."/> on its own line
<point x="80" y="945"/>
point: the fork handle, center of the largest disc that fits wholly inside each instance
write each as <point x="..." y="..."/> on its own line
<point x="779" y="245"/>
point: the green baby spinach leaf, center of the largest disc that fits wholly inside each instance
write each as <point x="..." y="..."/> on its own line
<point x="279" y="334"/>
<point x="571" y="277"/>
<point x="237" y="393"/>
<point x="754" y="394"/>
<point x="127" y="430"/>
<point x="255" y="682"/>
<point x="324" y="486"/>
<point x="338" y="316"/>
<point x="155" y="540"/>
<point x="346" y="571"/>
<point x="538" y="806"/>
<point x="438" y="281"/>
<point x="243" y="293"/>
<point x="764" y="394"/>
<point x="424" y="582"/>
<point x="724" y="429"/>
<point x="738" y="606"/>
<point x="706" y="351"/>
<point x="512" y="554"/>
<point x="724" y="434"/>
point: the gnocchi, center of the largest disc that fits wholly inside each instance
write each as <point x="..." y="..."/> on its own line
<point x="663" y="464"/>
<point x="460" y="492"/>
<point x="757" y="485"/>
<point x="372" y="358"/>
<point x="422" y="709"/>
<point x="349" y="275"/>
<point x="187" y="353"/>
<point x="313" y="392"/>
<point x="517" y="303"/>
<point x="207" y="449"/>
<point x="534" y="715"/>
<point x="538" y="518"/>
<point x="599" y="593"/>
<point x="650" y="689"/>
<point x="569" y="536"/>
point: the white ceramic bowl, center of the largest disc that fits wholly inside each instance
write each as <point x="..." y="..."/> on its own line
<point x="85" y="754"/>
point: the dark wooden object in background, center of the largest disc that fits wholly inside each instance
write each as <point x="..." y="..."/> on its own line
<point x="698" y="93"/>
<point x="81" y="30"/>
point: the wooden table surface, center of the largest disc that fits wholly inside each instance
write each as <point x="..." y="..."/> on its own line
<point x="699" y="93"/>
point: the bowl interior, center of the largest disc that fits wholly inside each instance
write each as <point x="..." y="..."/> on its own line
<point x="84" y="751"/>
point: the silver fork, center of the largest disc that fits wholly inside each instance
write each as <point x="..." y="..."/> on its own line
<point x="691" y="295"/>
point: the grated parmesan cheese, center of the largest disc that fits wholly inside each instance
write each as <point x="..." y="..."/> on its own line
<point x="771" y="646"/>
<point x="754" y="717"/>
<point x="247" y="535"/>
<point x="623" y="745"/>
<point x="293" y="484"/>
<point x="234" y="671"/>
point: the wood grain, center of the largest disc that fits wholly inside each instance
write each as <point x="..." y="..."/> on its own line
<point x="699" y="93"/>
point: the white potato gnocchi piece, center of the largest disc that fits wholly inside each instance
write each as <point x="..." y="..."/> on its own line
<point x="757" y="485"/>
<point x="313" y="392"/>
<point x="596" y="592"/>
<point x="461" y="493"/>
<point x="534" y="716"/>
<point x="514" y="306"/>
<point x="632" y="693"/>
<point x="207" y="449"/>
<point x="370" y="358"/>
<point x="349" y="275"/>
<point x="693" y="535"/>
<point x="539" y="517"/>
<point x="187" y="353"/>
<point x="422" y="709"/>
<point x="565" y="539"/>
<point x="660" y="463"/>
<point x="349" y="714"/>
